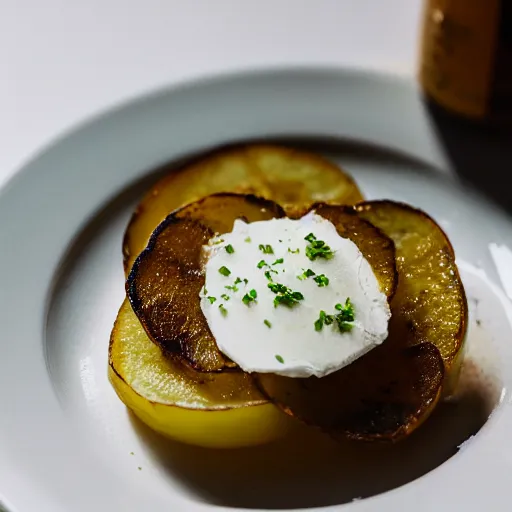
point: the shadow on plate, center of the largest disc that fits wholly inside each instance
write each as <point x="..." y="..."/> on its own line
<point x="308" y="469"/>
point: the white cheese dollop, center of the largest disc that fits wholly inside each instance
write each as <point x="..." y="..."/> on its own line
<point x="262" y="337"/>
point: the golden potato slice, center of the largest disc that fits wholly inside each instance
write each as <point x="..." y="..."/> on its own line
<point x="216" y="410"/>
<point x="292" y="178"/>
<point x="430" y="303"/>
<point x="383" y="395"/>
<point x="376" y="247"/>
<point x="166" y="279"/>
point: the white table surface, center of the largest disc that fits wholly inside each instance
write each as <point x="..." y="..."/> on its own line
<point x="64" y="60"/>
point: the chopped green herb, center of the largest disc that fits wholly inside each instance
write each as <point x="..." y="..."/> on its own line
<point x="344" y="318"/>
<point x="224" y="271"/>
<point x="232" y="288"/>
<point x="323" y="318"/>
<point x="268" y="275"/>
<point x="319" y="323"/>
<point x="261" y="264"/>
<point x="321" y="280"/>
<point x="246" y="280"/>
<point x="278" y="261"/>
<point x="223" y="310"/>
<point x="225" y="296"/>
<point x="249" y="297"/>
<point x="278" y="288"/>
<point x="346" y="315"/>
<point x="212" y="299"/>
<point x="344" y="326"/>
<point x="266" y="249"/>
<point x="219" y="241"/>
<point x="317" y="249"/>
<point x="307" y="273"/>
<point x="296" y="251"/>
<point x="205" y="291"/>
<point x="280" y="358"/>
<point x="248" y="239"/>
<point x="229" y="249"/>
<point x="237" y="281"/>
<point x="267" y="323"/>
<point x="310" y="238"/>
<point x="285" y="295"/>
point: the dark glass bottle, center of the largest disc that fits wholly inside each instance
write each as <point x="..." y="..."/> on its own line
<point x="466" y="57"/>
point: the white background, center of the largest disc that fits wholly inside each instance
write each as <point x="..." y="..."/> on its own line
<point x="64" y="60"/>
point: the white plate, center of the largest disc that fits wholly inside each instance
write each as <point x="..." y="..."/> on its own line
<point x="66" y="441"/>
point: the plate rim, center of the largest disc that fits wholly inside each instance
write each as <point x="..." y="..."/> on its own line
<point x="16" y="181"/>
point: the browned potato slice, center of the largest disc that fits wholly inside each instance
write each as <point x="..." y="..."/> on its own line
<point x="384" y="395"/>
<point x="166" y="279"/>
<point x="429" y="314"/>
<point x="217" y="410"/>
<point x="377" y="248"/>
<point x="430" y="303"/>
<point x="292" y="178"/>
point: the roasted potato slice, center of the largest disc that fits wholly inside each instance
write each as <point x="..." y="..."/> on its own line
<point x="216" y="410"/>
<point x="383" y="395"/>
<point x="429" y="311"/>
<point x="430" y="304"/>
<point x="376" y="247"/>
<point x="295" y="179"/>
<point x="166" y="279"/>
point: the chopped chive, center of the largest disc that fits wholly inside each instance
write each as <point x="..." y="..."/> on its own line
<point x="249" y="297"/>
<point x="279" y="358"/>
<point x="319" y="323"/>
<point x="321" y="280"/>
<point x="318" y="249"/>
<point x="232" y="288"/>
<point x="307" y="273"/>
<point x="261" y="264"/>
<point x="224" y="271"/>
<point x="266" y="249"/>
<point x="344" y="319"/>
<point x="246" y="280"/>
<point x="248" y="239"/>
<point x="267" y="323"/>
<point x="296" y="251"/>
<point x="323" y="319"/>
<point x="268" y="275"/>
<point x="285" y="295"/>
<point x="212" y="299"/>
<point x="229" y="249"/>
<point x="278" y="261"/>
<point x="346" y="315"/>
<point x="223" y="310"/>
<point x="205" y="291"/>
<point x="225" y="296"/>
<point x="219" y="241"/>
<point x="237" y="281"/>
